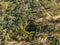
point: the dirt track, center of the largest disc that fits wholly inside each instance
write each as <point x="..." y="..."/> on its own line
<point x="48" y="15"/>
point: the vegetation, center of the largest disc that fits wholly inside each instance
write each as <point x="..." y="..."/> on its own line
<point x="18" y="22"/>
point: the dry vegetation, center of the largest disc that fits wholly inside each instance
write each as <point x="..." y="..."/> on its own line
<point x="29" y="22"/>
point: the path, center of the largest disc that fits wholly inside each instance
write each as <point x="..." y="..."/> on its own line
<point x="48" y="15"/>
